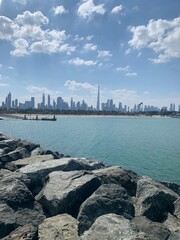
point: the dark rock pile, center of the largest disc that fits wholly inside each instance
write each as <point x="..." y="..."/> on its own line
<point x="46" y="195"/>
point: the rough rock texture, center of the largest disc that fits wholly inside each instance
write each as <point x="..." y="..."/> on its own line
<point x="177" y="208"/>
<point x="112" y="227"/>
<point x="173" y="186"/>
<point x="26" y="232"/>
<point x="28" y="145"/>
<point x="33" y="159"/>
<point x="17" y="206"/>
<point x="157" y="231"/>
<point x="154" y="200"/>
<point x="172" y="223"/>
<point x="66" y="191"/>
<point x="117" y="175"/>
<point x="174" y="236"/>
<point x="61" y="227"/>
<point x="108" y="198"/>
<point x="18" y="153"/>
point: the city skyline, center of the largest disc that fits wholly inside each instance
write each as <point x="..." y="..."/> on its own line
<point x="130" y="49"/>
<point x="53" y="104"/>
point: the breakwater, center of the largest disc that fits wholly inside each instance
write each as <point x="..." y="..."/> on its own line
<point x="46" y="195"/>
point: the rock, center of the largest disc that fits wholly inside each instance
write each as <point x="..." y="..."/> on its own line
<point x="37" y="151"/>
<point x="112" y="227"/>
<point x="154" y="200"/>
<point x="28" y="145"/>
<point x="172" y="223"/>
<point x="26" y="232"/>
<point x="62" y="227"/>
<point x="157" y="231"/>
<point x="117" y="175"/>
<point x="108" y="198"/>
<point x="7" y="220"/>
<point x="12" y="143"/>
<point x="18" y="206"/>
<point x="177" y="208"/>
<point x="15" y="155"/>
<point x="10" y="166"/>
<point x="56" y="155"/>
<point x="33" y="159"/>
<point x="83" y="164"/>
<point x="173" y="186"/>
<point x="174" y="236"/>
<point x="65" y="191"/>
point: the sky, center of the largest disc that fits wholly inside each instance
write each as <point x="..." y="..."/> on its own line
<point x="67" y="48"/>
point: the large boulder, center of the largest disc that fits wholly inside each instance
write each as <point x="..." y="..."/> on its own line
<point x="154" y="200"/>
<point x="66" y="191"/>
<point x="113" y="227"/>
<point x="108" y="198"/>
<point x="173" y="186"/>
<point x="33" y="159"/>
<point x="28" y="145"/>
<point x="61" y="227"/>
<point x="172" y="223"/>
<point x="26" y="232"/>
<point x="118" y="175"/>
<point x="17" y="206"/>
<point x="157" y="231"/>
<point x="18" y="153"/>
<point x="177" y="208"/>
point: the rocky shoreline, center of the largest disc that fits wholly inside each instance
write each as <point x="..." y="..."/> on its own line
<point x="45" y="195"/>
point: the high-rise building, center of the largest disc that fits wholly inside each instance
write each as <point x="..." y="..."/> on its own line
<point x="43" y="101"/>
<point x="49" y="102"/>
<point x="98" y="99"/>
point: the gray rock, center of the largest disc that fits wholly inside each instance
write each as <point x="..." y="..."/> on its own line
<point x="33" y="159"/>
<point x="26" y="232"/>
<point x="108" y="198"/>
<point x="154" y="200"/>
<point x="173" y="186"/>
<point x="117" y="175"/>
<point x="28" y="145"/>
<point x="112" y="227"/>
<point x="174" y="236"/>
<point x="37" y="151"/>
<point x="172" y="223"/>
<point x="157" y="231"/>
<point x="83" y="164"/>
<point x="62" y="227"/>
<point x="15" y="155"/>
<point x="18" y="206"/>
<point x="177" y="208"/>
<point x="65" y="191"/>
<point x="10" y="166"/>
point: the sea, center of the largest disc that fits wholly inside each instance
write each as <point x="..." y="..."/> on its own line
<point x="147" y="145"/>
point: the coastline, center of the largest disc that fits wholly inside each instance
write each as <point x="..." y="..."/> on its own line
<point x="80" y="197"/>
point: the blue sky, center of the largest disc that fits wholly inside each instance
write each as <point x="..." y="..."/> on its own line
<point x="67" y="47"/>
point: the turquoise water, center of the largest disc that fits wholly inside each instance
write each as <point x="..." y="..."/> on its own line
<point x="149" y="146"/>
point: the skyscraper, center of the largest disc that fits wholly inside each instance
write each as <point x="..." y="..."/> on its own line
<point x="49" y="101"/>
<point x="98" y="99"/>
<point x="43" y="101"/>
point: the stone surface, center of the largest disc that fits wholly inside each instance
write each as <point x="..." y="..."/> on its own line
<point x="33" y="159"/>
<point x="154" y="200"/>
<point x="112" y="227"/>
<point x="173" y="186"/>
<point x="108" y="198"/>
<point x="61" y="227"/>
<point x="26" y="232"/>
<point x="117" y="175"/>
<point x="18" y="153"/>
<point x="177" y="208"/>
<point x="174" y="236"/>
<point x="65" y="191"/>
<point x="157" y="231"/>
<point x="17" y="206"/>
<point x="172" y="223"/>
<point x="28" y="145"/>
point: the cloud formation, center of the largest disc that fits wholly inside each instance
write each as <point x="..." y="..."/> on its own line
<point x="162" y="36"/>
<point x="87" y="9"/>
<point x="59" y="10"/>
<point x="74" y="86"/>
<point x="78" y="62"/>
<point x="117" y="9"/>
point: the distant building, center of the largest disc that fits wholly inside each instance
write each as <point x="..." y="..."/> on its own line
<point x="98" y="99"/>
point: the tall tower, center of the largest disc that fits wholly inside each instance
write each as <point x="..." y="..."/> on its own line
<point x="43" y="101"/>
<point x="49" y="101"/>
<point x="98" y="99"/>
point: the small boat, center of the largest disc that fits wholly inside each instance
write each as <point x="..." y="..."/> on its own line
<point x="176" y="115"/>
<point x="42" y="119"/>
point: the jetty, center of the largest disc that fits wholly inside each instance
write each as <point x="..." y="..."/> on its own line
<point x="42" y="118"/>
<point x="45" y="195"/>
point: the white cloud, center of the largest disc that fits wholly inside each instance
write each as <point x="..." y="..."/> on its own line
<point x="3" y="84"/>
<point x="90" y="46"/>
<point x="45" y="46"/>
<point x="89" y="37"/>
<point x="162" y="36"/>
<point x="6" y="28"/>
<point x="78" y="39"/>
<point x="87" y="9"/>
<point x="21" y="48"/>
<point x="123" y="69"/>
<point x="105" y="54"/>
<point x="74" y="86"/>
<point x="131" y="74"/>
<point x="28" y="18"/>
<point x="117" y="9"/>
<point x="21" y="2"/>
<point x="35" y="89"/>
<point x="77" y="61"/>
<point x="57" y="35"/>
<point x="124" y="95"/>
<point x="67" y="48"/>
<point x="59" y="10"/>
